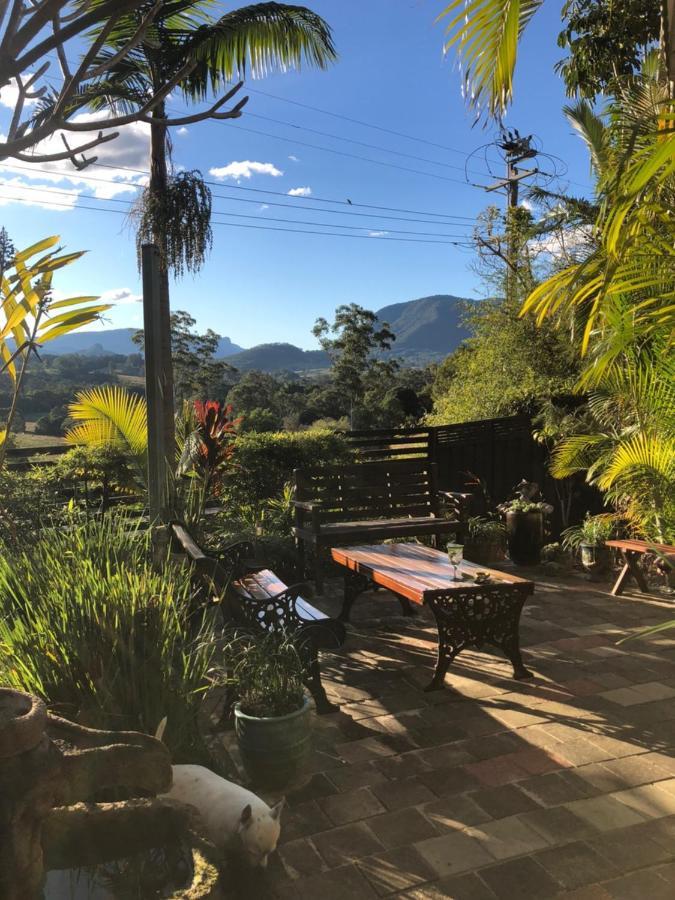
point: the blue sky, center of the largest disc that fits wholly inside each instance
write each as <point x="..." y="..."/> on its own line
<point x="266" y="285"/>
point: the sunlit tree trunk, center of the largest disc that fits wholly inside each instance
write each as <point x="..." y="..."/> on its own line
<point x="158" y="187"/>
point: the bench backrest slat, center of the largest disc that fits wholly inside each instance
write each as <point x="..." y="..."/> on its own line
<point x="357" y="492"/>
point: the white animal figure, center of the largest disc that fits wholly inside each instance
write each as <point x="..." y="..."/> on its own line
<point x="230" y="814"/>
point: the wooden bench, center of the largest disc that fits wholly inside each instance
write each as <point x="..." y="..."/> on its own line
<point x="254" y="598"/>
<point x="373" y="501"/>
<point x="631" y="552"/>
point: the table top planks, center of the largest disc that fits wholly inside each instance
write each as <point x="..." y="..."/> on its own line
<point x="640" y="546"/>
<point x="413" y="570"/>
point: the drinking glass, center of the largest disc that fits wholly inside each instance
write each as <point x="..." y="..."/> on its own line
<point x="455" y="555"/>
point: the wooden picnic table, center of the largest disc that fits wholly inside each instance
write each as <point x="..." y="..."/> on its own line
<point x="467" y="614"/>
<point x="632" y="551"/>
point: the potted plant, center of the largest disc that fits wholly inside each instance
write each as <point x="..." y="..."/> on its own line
<point x="524" y="515"/>
<point x="272" y="713"/>
<point x="485" y="540"/>
<point x="588" y="539"/>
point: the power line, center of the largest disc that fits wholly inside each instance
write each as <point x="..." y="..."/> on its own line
<point x="61" y="192"/>
<point x="261" y="227"/>
<point x="237" y="187"/>
<point x="376" y="162"/>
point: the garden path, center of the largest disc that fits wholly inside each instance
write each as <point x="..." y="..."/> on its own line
<point x="493" y="788"/>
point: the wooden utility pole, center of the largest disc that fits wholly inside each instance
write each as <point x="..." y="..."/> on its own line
<point x="516" y="149"/>
<point x="160" y="457"/>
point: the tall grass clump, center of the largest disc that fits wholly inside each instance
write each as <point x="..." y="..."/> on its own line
<point x="88" y="624"/>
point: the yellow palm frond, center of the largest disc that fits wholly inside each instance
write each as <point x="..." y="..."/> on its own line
<point x="110" y="415"/>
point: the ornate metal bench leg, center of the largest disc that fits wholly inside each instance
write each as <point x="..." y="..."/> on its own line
<point x="511" y="647"/>
<point x="448" y="645"/>
<point x="355" y="584"/>
<point x="314" y="685"/>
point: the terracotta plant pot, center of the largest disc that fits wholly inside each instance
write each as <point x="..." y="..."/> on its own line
<point x="525" y="536"/>
<point x="274" y="750"/>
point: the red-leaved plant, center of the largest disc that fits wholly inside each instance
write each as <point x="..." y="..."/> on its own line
<point x="209" y="448"/>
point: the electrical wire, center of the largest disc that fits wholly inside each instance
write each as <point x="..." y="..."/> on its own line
<point x="366" y="237"/>
<point x="128" y="203"/>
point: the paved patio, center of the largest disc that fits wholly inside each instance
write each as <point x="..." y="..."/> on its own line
<point x="493" y="788"/>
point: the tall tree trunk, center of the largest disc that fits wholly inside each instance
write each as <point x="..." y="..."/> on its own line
<point x="158" y="185"/>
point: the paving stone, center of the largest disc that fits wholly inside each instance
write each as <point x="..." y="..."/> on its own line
<point x="454" y="813"/>
<point x="497" y="771"/>
<point x="318" y="786"/>
<point x="575" y="865"/>
<point x="605" y="813"/>
<point x="624" y="696"/>
<point x="451" y="854"/>
<point x="346" y="844"/>
<point x="345" y="883"/>
<point x="460" y="887"/>
<point x="631" y="848"/>
<point x="396" y="870"/>
<point x="451" y="780"/>
<point x="556" y="788"/>
<point x="662" y="831"/>
<point x="590" y="892"/>
<point x="364" y="750"/>
<point x="401" y="828"/>
<point x="397" y="767"/>
<point x="306" y="818"/>
<point x="639" y="886"/>
<point x="442" y="757"/>
<point x="356" y="776"/>
<point x="652" y="801"/>
<point x="558" y="825"/>
<point x="351" y="806"/>
<point x="520" y="879"/>
<point x="581" y="751"/>
<point x="509" y="837"/>
<point x="398" y="794"/>
<point x="502" y="801"/>
<point x="299" y="858"/>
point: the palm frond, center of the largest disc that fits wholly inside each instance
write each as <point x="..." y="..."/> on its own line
<point x="485" y="34"/>
<point x="111" y="416"/>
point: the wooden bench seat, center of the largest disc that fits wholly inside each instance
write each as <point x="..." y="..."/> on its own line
<point x="257" y="599"/>
<point x="631" y="551"/>
<point x="373" y="501"/>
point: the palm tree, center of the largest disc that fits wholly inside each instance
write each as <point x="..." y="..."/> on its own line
<point x="189" y="45"/>
<point x="627" y="447"/>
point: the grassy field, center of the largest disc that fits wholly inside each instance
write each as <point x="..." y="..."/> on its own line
<point x="27" y="439"/>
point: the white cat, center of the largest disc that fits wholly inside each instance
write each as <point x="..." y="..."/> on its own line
<point x="230" y="814"/>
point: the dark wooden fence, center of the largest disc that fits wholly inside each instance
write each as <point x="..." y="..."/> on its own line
<point x="486" y="458"/>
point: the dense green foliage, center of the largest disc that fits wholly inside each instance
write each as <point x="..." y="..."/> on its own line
<point x="508" y="366"/>
<point x="264" y="463"/>
<point x="87" y="623"/>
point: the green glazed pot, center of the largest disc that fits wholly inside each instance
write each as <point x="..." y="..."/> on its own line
<point x="274" y="750"/>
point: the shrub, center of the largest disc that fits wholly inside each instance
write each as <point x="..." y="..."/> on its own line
<point x="264" y="462"/>
<point x="27" y="501"/>
<point x="88" y="624"/>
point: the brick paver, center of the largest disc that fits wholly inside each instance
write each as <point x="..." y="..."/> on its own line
<point x="563" y="786"/>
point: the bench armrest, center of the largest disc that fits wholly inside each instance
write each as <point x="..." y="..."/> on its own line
<point x="234" y="555"/>
<point x="278" y="611"/>
<point x="313" y="507"/>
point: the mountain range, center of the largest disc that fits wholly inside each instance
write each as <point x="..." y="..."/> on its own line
<point x="426" y="330"/>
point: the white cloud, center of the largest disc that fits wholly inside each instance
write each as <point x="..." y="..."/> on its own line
<point x="18" y="190"/>
<point x="182" y="131"/>
<point x="567" y="242"/>
<point x="293" y="158"/>
<point x="377" y="233"/>
<point x="265" y="206"/>
<point x="119" y="296"/>
<point x="300" y="192"/>
<point x="9" y="94"/>
<point x="245" y="169"/>
<point x="109" y="178"/>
